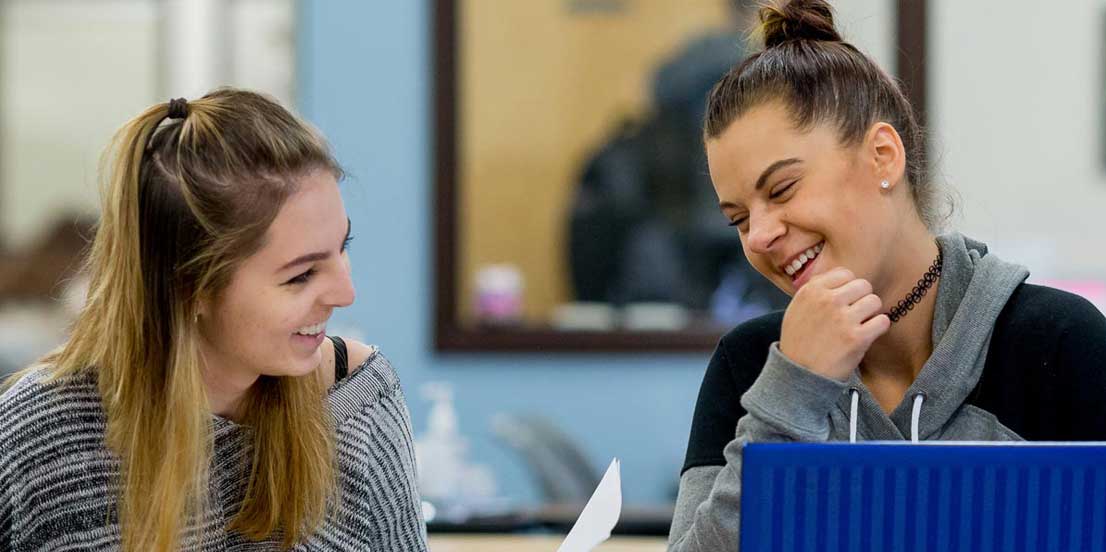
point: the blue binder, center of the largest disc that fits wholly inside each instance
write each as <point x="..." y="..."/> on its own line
<point x="806" y="497"/>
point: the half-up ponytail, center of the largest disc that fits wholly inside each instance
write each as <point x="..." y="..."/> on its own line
<point x="184" y="202"/>
<point x="132" y="338"/>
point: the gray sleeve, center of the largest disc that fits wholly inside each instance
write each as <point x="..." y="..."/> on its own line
<point x="7" y="513"/>
<point x="407" y="531"/>
<point x="380" y="498"/>
<point x="786" y="403"/>
<point x="10" y="452"/>
<point x="695" y="486"/>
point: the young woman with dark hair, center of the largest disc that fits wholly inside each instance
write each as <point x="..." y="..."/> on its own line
<point x="895" y="331"/>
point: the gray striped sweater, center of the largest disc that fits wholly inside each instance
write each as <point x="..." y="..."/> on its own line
<point x="58" y="481"/>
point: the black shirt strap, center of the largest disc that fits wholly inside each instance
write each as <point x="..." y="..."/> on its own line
<point x="341" y="358"/>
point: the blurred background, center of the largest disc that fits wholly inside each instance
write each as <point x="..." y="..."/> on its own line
<point x="1016" y="112"/>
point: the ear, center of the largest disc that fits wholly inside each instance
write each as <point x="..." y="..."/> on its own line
<point x="884" y="150"/>
<point x="202" y="308"/>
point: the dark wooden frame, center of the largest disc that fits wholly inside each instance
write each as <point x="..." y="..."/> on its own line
<point x="449" y="335"/>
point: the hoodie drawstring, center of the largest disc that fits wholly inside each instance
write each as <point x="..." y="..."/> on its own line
<point x="916" y="416"/>
<point x="854" y="395"/>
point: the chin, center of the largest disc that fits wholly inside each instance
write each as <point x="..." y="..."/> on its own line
<point x="307" y="366"/>
<point x="295" y="365"/>
<point x="302" y="370"/>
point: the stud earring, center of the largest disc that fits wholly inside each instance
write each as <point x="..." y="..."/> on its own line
<point x="885" y="185"/>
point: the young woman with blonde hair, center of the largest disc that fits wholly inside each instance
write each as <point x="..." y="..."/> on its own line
<point x="198" y="403"/>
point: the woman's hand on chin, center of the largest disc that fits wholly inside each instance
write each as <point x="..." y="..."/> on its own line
<point x="831" y="322"/>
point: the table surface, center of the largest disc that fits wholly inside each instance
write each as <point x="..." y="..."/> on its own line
<point x="536" y="543"/>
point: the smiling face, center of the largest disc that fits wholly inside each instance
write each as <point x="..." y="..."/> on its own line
<point x="271" y="318"/>
<point x="802" y="202"/>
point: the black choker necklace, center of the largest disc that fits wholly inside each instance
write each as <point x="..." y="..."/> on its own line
<point x="919" y="291"/>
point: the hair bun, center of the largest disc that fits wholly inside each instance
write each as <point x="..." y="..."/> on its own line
<point x="797" y="20"/>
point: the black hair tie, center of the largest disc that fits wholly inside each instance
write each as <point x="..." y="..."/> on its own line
<point x="178" y="108"/>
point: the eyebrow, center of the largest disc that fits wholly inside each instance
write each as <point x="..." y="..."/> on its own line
<point x="312" y="257"/>
<point x="763" y="178"/>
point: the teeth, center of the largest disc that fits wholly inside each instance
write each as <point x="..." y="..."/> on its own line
<point x="802" y="259"/>
<point x="312" y="330"/>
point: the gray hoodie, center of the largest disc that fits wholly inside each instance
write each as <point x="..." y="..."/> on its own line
<point x="789" y="403"/>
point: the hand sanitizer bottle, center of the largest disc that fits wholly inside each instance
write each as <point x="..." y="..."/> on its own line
<point x="440" y="450"/>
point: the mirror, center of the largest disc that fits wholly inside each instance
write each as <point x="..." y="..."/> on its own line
<point x="573" y="206"/>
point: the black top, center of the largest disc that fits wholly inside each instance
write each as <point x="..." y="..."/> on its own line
<point x="341" y="358"/>
<point x="1044" y="377"/>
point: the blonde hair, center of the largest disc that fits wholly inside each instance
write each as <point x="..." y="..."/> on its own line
<point x="184" y="201"/>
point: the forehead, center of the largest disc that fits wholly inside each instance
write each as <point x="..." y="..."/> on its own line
<point x="309" y="218"/>
<point x="761" y="137"/>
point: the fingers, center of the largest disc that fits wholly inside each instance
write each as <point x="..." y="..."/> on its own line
<point x="833" y="279"/>
<point x="865" y="308"/>
<point x="874" y="327"/>
<point x="852" y="291"/>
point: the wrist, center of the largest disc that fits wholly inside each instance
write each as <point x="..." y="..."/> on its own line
<point x="791" y="397"/>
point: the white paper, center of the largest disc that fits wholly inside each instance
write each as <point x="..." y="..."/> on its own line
<point x="599" y="516"/>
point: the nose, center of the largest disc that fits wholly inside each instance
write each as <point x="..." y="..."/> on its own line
<point x="341" y="292"/>
<point x="765" y="230"/>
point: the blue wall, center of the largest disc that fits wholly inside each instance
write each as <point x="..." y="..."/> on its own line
<point x="366" y="79"/>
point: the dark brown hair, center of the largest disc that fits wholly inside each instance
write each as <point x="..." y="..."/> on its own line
<point x="821" y="79"/>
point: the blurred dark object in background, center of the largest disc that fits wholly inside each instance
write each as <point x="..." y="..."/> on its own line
<point x="644" y="223"/>
<point x="555" y="461"/>
<point x="40" y="271"/>
<point x="41" y="291"/>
